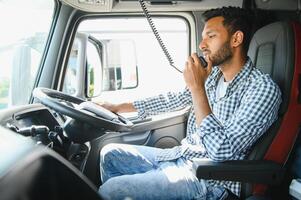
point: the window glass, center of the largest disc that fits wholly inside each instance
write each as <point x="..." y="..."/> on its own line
<point x="25" y="26"/>
<point x="133" y="64"/>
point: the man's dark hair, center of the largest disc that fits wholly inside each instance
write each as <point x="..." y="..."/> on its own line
<point x="235" y="19"/>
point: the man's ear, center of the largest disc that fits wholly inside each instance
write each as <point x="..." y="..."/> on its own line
<point x="237" y="39"/>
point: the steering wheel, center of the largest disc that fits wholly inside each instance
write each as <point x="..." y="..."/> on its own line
<point x="81" y="110"/>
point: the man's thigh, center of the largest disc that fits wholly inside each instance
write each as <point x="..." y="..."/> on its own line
<point x="122" y="159"/>
<point x="171" y="180"/>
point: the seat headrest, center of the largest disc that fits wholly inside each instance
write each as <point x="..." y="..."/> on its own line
<point x="272" y="51"/>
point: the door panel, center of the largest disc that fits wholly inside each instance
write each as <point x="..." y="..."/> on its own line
<point x="162" y="131"/>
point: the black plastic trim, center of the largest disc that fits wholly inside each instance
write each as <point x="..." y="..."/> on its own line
<point x="248" y="171"/>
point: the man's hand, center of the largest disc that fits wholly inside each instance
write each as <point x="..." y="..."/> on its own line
<point x="109" y="106"/>
<point x="117" y="108"/>
<point x="195" y="74"/>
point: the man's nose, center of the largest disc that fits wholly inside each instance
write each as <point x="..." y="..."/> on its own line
<point x="202" y="45"/>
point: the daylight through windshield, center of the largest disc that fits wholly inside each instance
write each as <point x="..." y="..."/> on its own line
<point x="24" y="29"/>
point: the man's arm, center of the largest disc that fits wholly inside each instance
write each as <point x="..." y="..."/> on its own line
<point x="153" y="105"/>
<point x="256" y="113"/>
<point x="118" y="108"/>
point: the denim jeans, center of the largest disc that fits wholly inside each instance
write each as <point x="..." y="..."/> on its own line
<point x="131" y="172"/>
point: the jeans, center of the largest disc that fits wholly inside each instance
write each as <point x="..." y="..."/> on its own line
<point x="131" y="172"/>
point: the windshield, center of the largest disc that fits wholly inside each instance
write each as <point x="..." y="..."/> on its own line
<point x="25" y="26"/>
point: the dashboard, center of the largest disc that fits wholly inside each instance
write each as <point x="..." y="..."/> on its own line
<point x="34" y="121"/>
<point x="33" y="114"/>
<point x="44" y="127"/>
<point x="36" y="117"/>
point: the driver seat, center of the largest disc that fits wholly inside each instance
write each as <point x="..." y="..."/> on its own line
<point x="275" y="49"/>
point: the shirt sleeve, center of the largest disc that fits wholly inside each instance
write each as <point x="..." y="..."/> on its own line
<point x="257" y="111"/>
<point x="163" y="103"/>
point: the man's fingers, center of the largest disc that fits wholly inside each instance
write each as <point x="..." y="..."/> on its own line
<point x="195" y="58"/>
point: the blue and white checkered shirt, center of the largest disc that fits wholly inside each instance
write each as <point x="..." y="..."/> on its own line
<point x="238" y="119"/>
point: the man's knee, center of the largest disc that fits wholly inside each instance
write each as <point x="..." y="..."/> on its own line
<point x="107" y="152"/>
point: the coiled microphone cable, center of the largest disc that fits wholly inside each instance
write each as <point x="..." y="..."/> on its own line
<point x="157" y="35"/>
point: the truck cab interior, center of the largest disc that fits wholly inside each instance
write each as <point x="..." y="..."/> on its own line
<point x="57" y="57"/>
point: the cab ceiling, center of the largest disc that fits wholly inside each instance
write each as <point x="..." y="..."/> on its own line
<point x="156" y="5"/>
<point x="117" y="6"/>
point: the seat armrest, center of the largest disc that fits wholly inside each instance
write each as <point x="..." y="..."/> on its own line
<point x="248" y="171"/>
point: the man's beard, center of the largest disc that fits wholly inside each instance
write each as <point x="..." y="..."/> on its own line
<point x="223" y="55"/>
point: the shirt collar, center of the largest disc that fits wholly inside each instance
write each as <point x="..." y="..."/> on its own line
<point x="216" y="74"/>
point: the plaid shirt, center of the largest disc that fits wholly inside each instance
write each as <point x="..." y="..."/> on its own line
<point x="238" y="119"/>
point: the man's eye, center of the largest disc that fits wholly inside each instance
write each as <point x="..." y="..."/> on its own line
<point x="211" y="36"/>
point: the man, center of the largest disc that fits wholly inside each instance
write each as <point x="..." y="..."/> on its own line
<point x="233" y="104"/>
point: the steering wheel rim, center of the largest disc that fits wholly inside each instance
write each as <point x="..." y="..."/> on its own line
<point x="53" y="99"/>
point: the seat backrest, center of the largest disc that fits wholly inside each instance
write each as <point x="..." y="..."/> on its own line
<point x="273" y="49"/>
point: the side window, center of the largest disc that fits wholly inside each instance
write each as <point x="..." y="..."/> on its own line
<point x="127" y="62"/>
<point x="22" y="42"/>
